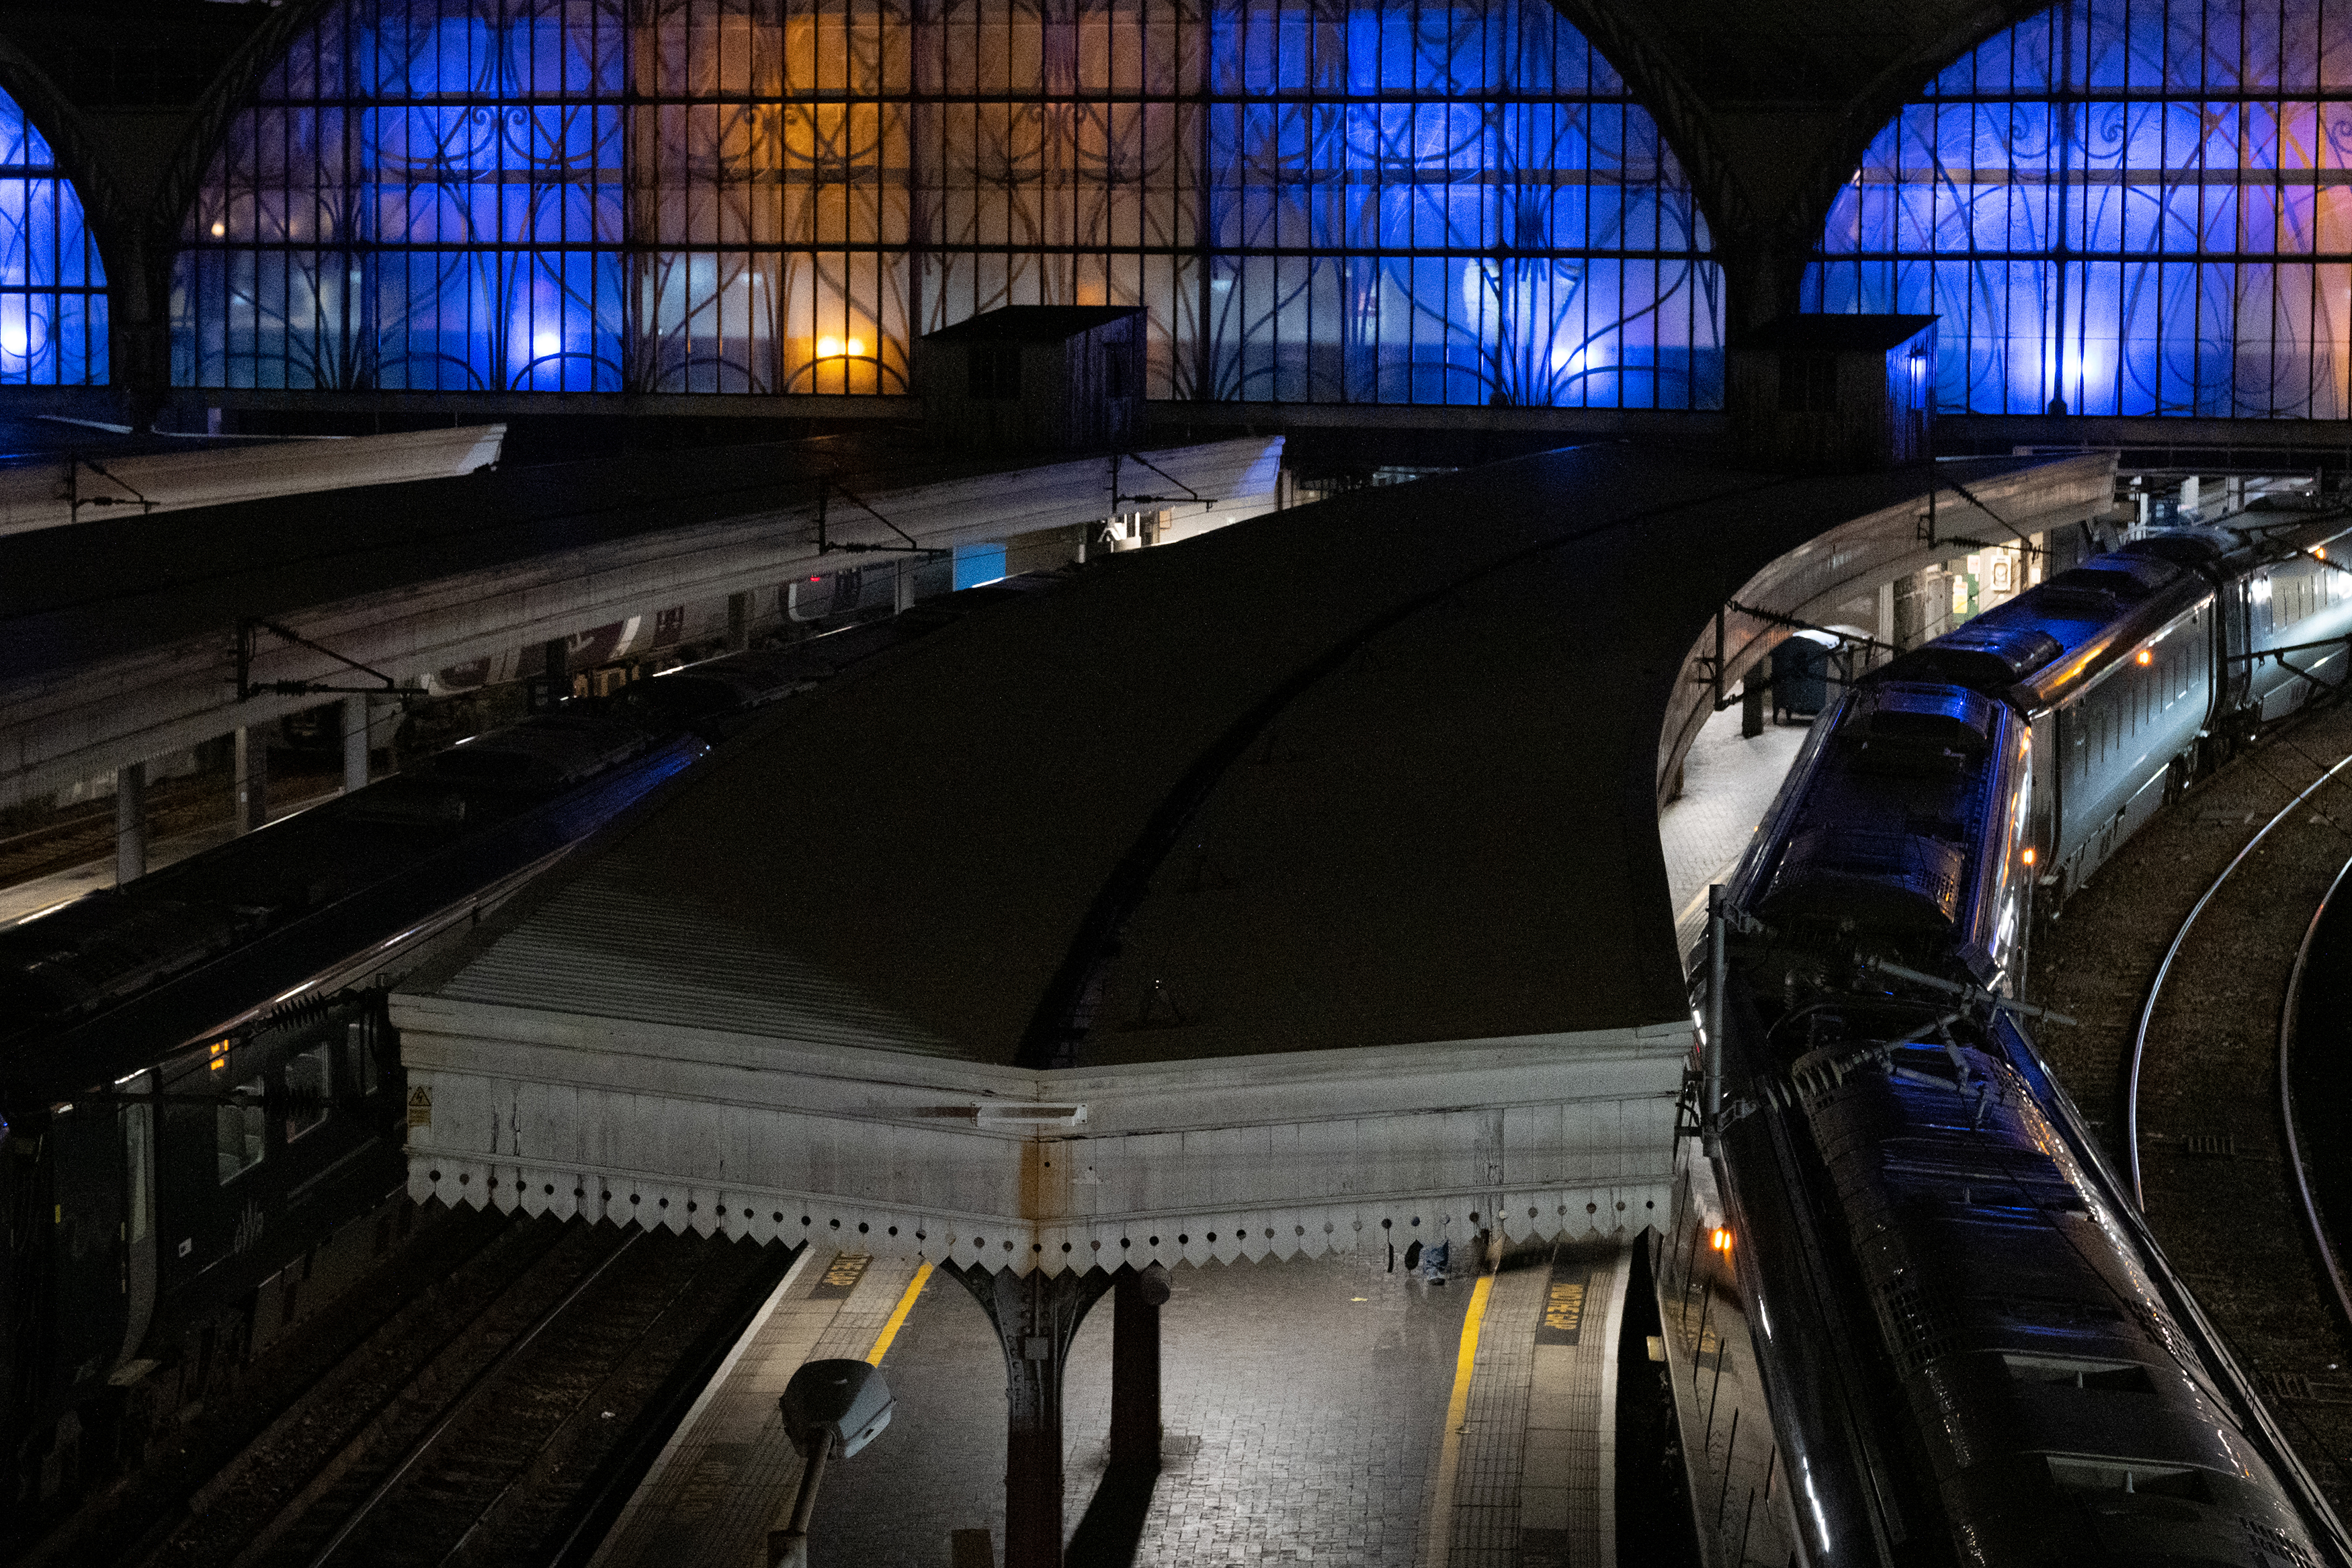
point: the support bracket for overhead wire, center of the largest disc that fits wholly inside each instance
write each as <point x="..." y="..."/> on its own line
<point x="1927" y="530"/>
<point x="248" y="688"/>
<point x="1116" y="495"/>
<point x="75" y="500"/>
<point x="2258" y="655"/>
<point x="1718" y="674"/>
<point x="826" y="545"/>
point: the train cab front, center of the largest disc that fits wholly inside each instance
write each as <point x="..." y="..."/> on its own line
<point x="1905" y="833"/>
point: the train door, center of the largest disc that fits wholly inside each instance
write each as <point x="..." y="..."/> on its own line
<point x="2232" y="632"/>
<point x="90" y="1275"/>
<point x="138" y="1115"/>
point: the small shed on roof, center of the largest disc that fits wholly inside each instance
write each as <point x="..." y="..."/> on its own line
<point x="1835" y="394"/>
<point x="1036" y="377"/>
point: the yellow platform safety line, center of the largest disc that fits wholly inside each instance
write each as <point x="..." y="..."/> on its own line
<point x="1440" y="1535"/>
<point x="897" y="1316"/>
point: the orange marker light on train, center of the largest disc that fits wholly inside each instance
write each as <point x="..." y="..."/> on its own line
<point x="2145" y="656"/>
<point x="2029" y="856"/>
<point x="2319" y="552"/>
<point x="1721" y="1240"/>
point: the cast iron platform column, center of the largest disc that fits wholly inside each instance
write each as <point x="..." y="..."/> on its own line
<point x="355" y="742"/>
<point x="1134" y="1367"/>
<point x="252" y="777"/>
<point x="130" y="824"/>
<point x="1036" y="1315"/>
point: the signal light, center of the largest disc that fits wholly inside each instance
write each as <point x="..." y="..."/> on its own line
<point x="219" y="1056"/>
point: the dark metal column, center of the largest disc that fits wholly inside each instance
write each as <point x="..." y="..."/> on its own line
<point x="1036" y="1316"/>
<point x="555" y="659"/>
<point x="130" y="824"/>
<point x="1134" y="1367"/>
<point x="252" y="777"/>
<point x="355" y="742"/>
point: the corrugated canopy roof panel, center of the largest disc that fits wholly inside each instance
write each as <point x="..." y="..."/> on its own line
<point x="1373" y="771"/>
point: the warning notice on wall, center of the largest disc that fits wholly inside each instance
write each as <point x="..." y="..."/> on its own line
<point x="420" y="1106"/>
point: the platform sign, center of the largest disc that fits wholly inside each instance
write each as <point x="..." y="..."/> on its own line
<point x="420" y="1106"/>
<point x="841" y="1277"/>
<point x="1563" y="1307"/>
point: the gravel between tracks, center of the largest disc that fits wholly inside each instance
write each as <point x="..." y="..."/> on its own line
<point x="2213" y="1157"/>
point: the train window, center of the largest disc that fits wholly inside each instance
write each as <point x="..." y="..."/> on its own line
<point x="2129" y="1474"/>
<point x="139" y="1171"/>
<point x="241" y="1130"/>
<point x="2122" y="1376"/>
<point x="359" y="1056"/>
<point x="309" y="1083"/>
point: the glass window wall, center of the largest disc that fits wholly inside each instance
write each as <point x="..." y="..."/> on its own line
<point x="1389" y="201"/>
<point x="2120" y="207"/>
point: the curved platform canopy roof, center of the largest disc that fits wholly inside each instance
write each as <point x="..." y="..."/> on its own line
<point x="1374" y="771"/>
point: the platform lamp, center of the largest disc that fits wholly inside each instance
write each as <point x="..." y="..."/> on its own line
<point x="830" y="1408"/>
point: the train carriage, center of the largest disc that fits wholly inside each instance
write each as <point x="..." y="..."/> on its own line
<point x="2036" y="1385"/>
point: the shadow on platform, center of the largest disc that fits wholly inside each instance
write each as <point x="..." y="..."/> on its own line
<point x="1112" y="1530"/>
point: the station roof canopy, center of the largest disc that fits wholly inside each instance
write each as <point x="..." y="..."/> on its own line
<point x="1374" y="771"/>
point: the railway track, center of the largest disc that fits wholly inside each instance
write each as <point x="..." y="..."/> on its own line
<point x="2178" y="959"/>
<point x="492" y="1419"/>
<point x="85" y="833"/>
<point x="2315" y="1014"/>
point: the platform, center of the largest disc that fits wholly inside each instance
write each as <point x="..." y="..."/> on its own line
<point x="1728" y="783"/>
<point x="1307" y="1413"/>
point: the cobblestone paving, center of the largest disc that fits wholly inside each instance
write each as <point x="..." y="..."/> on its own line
<point x="1302" y="1404"/>
<point x="1727" y="785"/>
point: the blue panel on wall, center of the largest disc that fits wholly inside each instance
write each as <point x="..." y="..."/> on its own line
<point x="977" y="564"/>
<point x="2119" y="207"/>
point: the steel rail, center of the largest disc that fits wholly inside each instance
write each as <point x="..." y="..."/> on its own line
<point x="2163" y="970"/>
<point x="506" y="1358"/>
<point x="2288" y="1013"/>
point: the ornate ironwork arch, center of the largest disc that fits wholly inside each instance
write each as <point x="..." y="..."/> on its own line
<point x="1316" y="199"/>
<point x="2119" y="206"/>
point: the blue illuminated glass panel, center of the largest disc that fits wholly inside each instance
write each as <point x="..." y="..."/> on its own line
<point x="52" y="283"/>
<point x="1393" y="201"/>
<point x="2127" y="206"/>
<point x="1422" y="203"/>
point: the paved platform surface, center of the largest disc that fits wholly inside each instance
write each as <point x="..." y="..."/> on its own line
<point x="1728" y="783"/>
<point x="730" y="1473"/>
<point x="1305" y="1405"/>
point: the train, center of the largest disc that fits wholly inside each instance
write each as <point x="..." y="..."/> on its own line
<point x="1973" y="1350"/>
<point x="202" y="1110"/>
